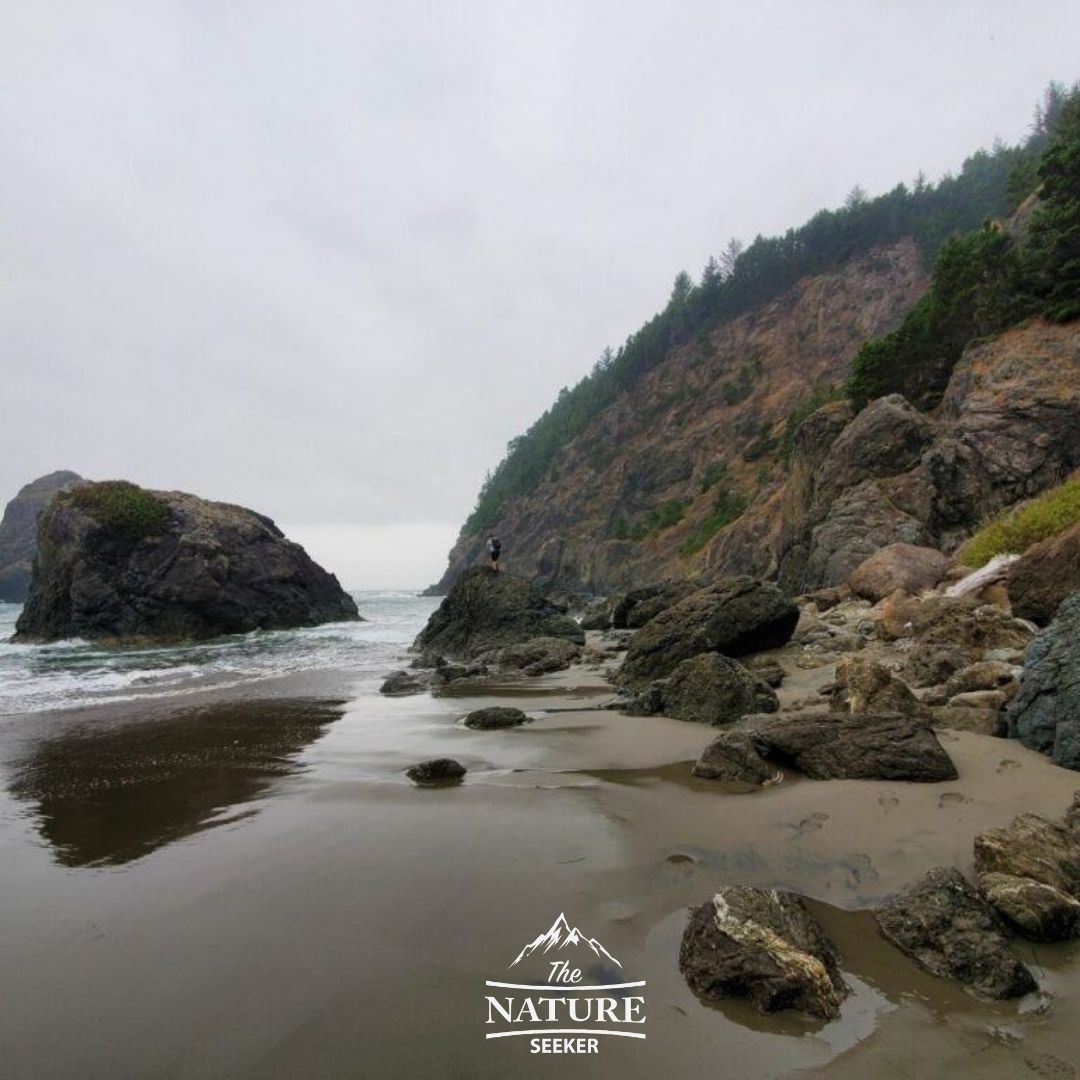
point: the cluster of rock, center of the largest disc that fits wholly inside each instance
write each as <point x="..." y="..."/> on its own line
<point x="764" y="946"/>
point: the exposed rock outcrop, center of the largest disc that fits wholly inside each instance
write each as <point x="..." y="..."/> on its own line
<point x="865" y="686"/>
<point x="18" y="531"/>
<point x="764" y="946"/>
<point x="536" y="656"/>
<point x="943" y="924"/>
<point x="1045" y="713"/>
<point x="734" y="616"/>
<point x="484" y="611"/>
<point x="117" y="562"/>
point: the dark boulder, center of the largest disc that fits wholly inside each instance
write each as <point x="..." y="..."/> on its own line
<point x="18" y="532"/>
<point x="403" y="683"/>
<point x="597" y="614"/>
<point x="943" y="924"/>
<point x="764" y="946"/>
<point x="496" y="716"/>
<point x="484" y="610"/>
<point x="635" y="608"/>
<point x="537" y="656"/>
<point x="117" y="562"/>
<point x="1044" y="575"/>
<point x="436" y="771"/>
<point x="707" y="689"/>
<point x="734" y="757"/>
<point x="734" y="616"/>
<point x="1045" y="713"/>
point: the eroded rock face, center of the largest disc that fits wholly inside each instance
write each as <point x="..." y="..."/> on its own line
<point x="734" y="616"/>
<point x="1045" y="713"/>
<point x="898" y="566"/>
<point x="707" y="689"/>
<point x="117" y="562"/>
<point x="1044" y="575"/>
<point x="943" y="924"/>
<point x="763" y="946"/>
<point x="484" y="610"/>
<point x="18" y="532"/>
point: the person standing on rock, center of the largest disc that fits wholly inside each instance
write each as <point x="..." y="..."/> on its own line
<point x="494" y="546"/>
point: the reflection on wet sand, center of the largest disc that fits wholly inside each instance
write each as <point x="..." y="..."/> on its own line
<point x="106" y="796"/>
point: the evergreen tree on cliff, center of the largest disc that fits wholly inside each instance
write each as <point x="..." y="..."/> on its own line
<point x="1055" y="228"/>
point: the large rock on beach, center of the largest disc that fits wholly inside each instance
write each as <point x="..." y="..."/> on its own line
<point x="865" y="686"/>
<point x="898" y="566"/>
<point x="115" y="561"/>
<point x="537" y="656"/>
<point x="436" y="772"/>
<point x="838" y="746"/>
<point x="636" y="607"/>
<point x="707" y="689"/>
<point x="484" y="610"/>
<point x="764" y="946"/>
<point x="494" y="717"/>
<point x="1044" y="575"/>
<point x="18" y="531"/>
<point x="733" y="616"/>
<point x="1045" y="713"/>
<point x="943" y="924"/>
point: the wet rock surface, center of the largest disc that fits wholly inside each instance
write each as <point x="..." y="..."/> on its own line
<point x="943" y="924"/>
<point x="763" y="946"/>
<point x="493" y="717"/>
<point x="437" y="771"/>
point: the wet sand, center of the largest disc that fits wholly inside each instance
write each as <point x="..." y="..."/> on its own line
<point x="293" y="907"/>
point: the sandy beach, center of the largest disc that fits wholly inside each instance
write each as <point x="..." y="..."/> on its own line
<point x="295" y="908"/>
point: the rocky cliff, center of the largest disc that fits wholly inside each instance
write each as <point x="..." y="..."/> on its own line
<point x="639" y="494"/>
<point x="18" y="531"/>
<point x="115" y="561"/>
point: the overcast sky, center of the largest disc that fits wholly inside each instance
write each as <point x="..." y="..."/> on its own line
<point x="324" y="259"/>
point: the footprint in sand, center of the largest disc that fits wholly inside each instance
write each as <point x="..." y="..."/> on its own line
<point x="810" y="824"/>
<point x="680" y="862"/>
<point x="1049" y="1066"/>
<point x="951" y="798"/>
<point x="1007" y="765"/>
<point x="888" y="801"/>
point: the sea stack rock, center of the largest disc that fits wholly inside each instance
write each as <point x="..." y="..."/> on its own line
<point x="115" y="561"/>
<point x="18" y="532"/>
<point x="485" y="610"/>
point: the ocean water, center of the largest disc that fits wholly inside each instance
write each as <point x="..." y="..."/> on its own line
<point x="75" y="674"/>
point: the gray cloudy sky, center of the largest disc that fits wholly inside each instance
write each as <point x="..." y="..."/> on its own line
<point x="325" y="258"/>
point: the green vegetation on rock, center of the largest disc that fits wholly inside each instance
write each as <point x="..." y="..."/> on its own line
<point x="989" y="279"/>
<point x="123" y="507"/>
<point x="1014" y="531"/>
<point x="988" y="185"/>
<point x="727" y="506"/>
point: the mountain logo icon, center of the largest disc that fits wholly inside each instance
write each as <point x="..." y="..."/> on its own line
<point x="562" y="936"/>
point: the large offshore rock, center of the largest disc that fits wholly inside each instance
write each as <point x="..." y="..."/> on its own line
<point x="943" y="924"/>
<point x="1045" y="713"/>
<point x="762" y="945"/>
<point x="734" y="616"/>
<point x="115" y="561"/>
<point x="18" y="531"/>
<point x="1044" y="575"/>
<point x="484" y="610"/>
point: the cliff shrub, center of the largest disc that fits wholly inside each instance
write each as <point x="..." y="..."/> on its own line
<point x="1014" y="531"/>
<point x="123" y="507"/>
<point x="726" y="508"/>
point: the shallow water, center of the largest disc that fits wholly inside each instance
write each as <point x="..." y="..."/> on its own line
<point x="240" y="882"/>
